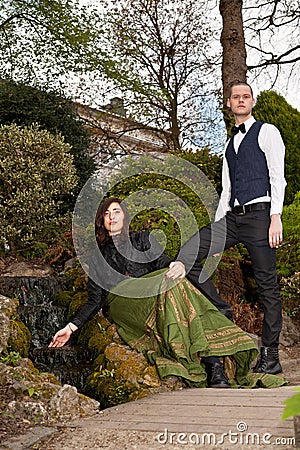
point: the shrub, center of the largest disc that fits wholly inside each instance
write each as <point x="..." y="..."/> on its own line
<point x="163" y="194"/>
<point x="36" y="168"/>
<point x="25" y="105"/>
<point x="288" y="254"/>
<point x="273" y="108"/>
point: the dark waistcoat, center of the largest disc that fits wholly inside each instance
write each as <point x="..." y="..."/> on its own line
<point x="248" y="169"/>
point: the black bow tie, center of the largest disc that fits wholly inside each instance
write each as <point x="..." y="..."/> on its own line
<point x="240" y="128"/>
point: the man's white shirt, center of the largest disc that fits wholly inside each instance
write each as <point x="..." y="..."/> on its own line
<point x="271" y="143"/>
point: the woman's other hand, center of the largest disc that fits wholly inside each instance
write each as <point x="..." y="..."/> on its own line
<point x="62" y="336"/>
<point x="176" y="270"/>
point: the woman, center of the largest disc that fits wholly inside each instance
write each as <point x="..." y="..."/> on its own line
<point x="158" y="312"/>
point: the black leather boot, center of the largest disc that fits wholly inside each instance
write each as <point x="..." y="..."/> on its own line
<point x="216" y="377"/>
<point x="268" y="361"/>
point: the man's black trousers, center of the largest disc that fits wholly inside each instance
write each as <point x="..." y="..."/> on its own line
<point x="251" y="229"/>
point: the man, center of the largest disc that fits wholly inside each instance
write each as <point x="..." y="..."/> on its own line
<point x="249" y="212"/>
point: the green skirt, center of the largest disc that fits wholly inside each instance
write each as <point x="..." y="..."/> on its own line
<point x="174" y="325"/>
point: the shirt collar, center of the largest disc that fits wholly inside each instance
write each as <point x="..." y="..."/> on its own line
<point x="249" y="122"/>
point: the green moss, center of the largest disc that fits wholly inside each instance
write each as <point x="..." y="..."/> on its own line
<point x="98" y="342"/>
<point x="87" y="331"/>
<point x="106" y="389"/>
<point x="130" y="371"/>
<point x="77" y="302"/>
<point x="99" y="363"/>
<point x="62" y="298"/>
<point x="19" y="338"/>
<point x="94" y="335"/>
<point x="77" y="277"/>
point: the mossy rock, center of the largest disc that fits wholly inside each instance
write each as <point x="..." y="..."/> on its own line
<point x="19" y="338"/>
<point x="113" y="334"/>
<point x="62" y="298"/>
<point x="130" y="371"/>
<point x="77" y="277"/>
<point x="89" y="330"/>
<point x="98" y="342"/>
<point x="150" y="377"/>
<point x="77" y="302"/>
<point x="104" y="388"/>
<point x="99" y="363"/>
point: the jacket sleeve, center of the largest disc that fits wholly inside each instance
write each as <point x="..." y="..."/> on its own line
<point x="159" y="260"/>
<point x="96" y="296"/>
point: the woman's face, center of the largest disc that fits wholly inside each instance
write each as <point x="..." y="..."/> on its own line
<point x="114" y="219"/>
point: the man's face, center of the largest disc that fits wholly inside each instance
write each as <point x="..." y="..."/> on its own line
<point x="241" y="101"/>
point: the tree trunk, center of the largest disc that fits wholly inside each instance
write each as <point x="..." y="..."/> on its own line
<point x="234" y="50"/>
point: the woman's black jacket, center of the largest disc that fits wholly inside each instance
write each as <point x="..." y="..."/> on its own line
<point x="122" y="257"/>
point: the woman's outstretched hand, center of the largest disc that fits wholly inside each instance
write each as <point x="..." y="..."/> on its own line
<point x="62" y="336"/>
<point x="176" y="270"/>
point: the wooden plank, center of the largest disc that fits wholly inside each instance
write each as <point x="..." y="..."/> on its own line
<point x="206" y="411"/>
<point x="203" y="420"/>
<point x="286" y="431"/>
<point x="284" y="391"/>
<point x="202" y="411"/>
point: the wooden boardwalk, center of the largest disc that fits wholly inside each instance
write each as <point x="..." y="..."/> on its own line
<point x="215" y="419"/>
<point x="252" y="415"/>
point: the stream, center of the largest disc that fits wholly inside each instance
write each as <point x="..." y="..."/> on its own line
<point x="71" y="364"/>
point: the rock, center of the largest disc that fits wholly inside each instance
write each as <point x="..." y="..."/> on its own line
<point x="67" y="404"/>
<point x="26" y="269"/>
<point x="7" y="307"/>
<point x="28" y="410"/>
<point x="71" y="263"/>
<point x="256" y="339"/>
<point x="289" y="335"/>
<point x="39" y="397"/>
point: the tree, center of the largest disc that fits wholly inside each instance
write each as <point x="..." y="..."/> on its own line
<point x="25" y="105"/>
<point x="234" y="51"/>
<point x="41" y="41"/>
<point x="273" y="108"/>
<point x="35" y="169"/>
<point x="168" y="58"/>
<point x="267" y="34"/>
<point x="162" y="49"/>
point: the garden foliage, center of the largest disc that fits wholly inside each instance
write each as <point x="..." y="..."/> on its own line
<point x="273" y="108"/>
<point x="25" y="105"/>
<point x="36" y="169"/>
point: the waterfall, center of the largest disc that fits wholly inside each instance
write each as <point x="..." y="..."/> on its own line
<point x="71" y="364"/>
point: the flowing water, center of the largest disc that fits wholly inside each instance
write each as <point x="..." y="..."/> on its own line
<point x="71" y="364"/>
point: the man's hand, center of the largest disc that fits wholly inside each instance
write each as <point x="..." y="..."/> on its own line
<point x="176" y="270"/>
<point x="275" y="231"/>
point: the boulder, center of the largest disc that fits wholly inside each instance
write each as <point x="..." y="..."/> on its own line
<point x="8" y="307"/>
<point x="39" y="397"/>
<point x="27" y="269"/>
<point x="290" y="335"/>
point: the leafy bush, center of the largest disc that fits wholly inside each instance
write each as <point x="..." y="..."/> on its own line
<point x="36" y="168"/>
<point x="288" y="254"/>
<point x="292" y="405"/>
<point x="25" y="105"/>
<point x="165" y="198"/>
<point x="290" y="292"/>
<point x="273" y="108"/>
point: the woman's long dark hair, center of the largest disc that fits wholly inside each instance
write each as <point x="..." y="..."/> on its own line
<point x="101" y="232"/>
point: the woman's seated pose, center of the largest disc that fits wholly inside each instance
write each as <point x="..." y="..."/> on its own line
<point x="158" y="312"/>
